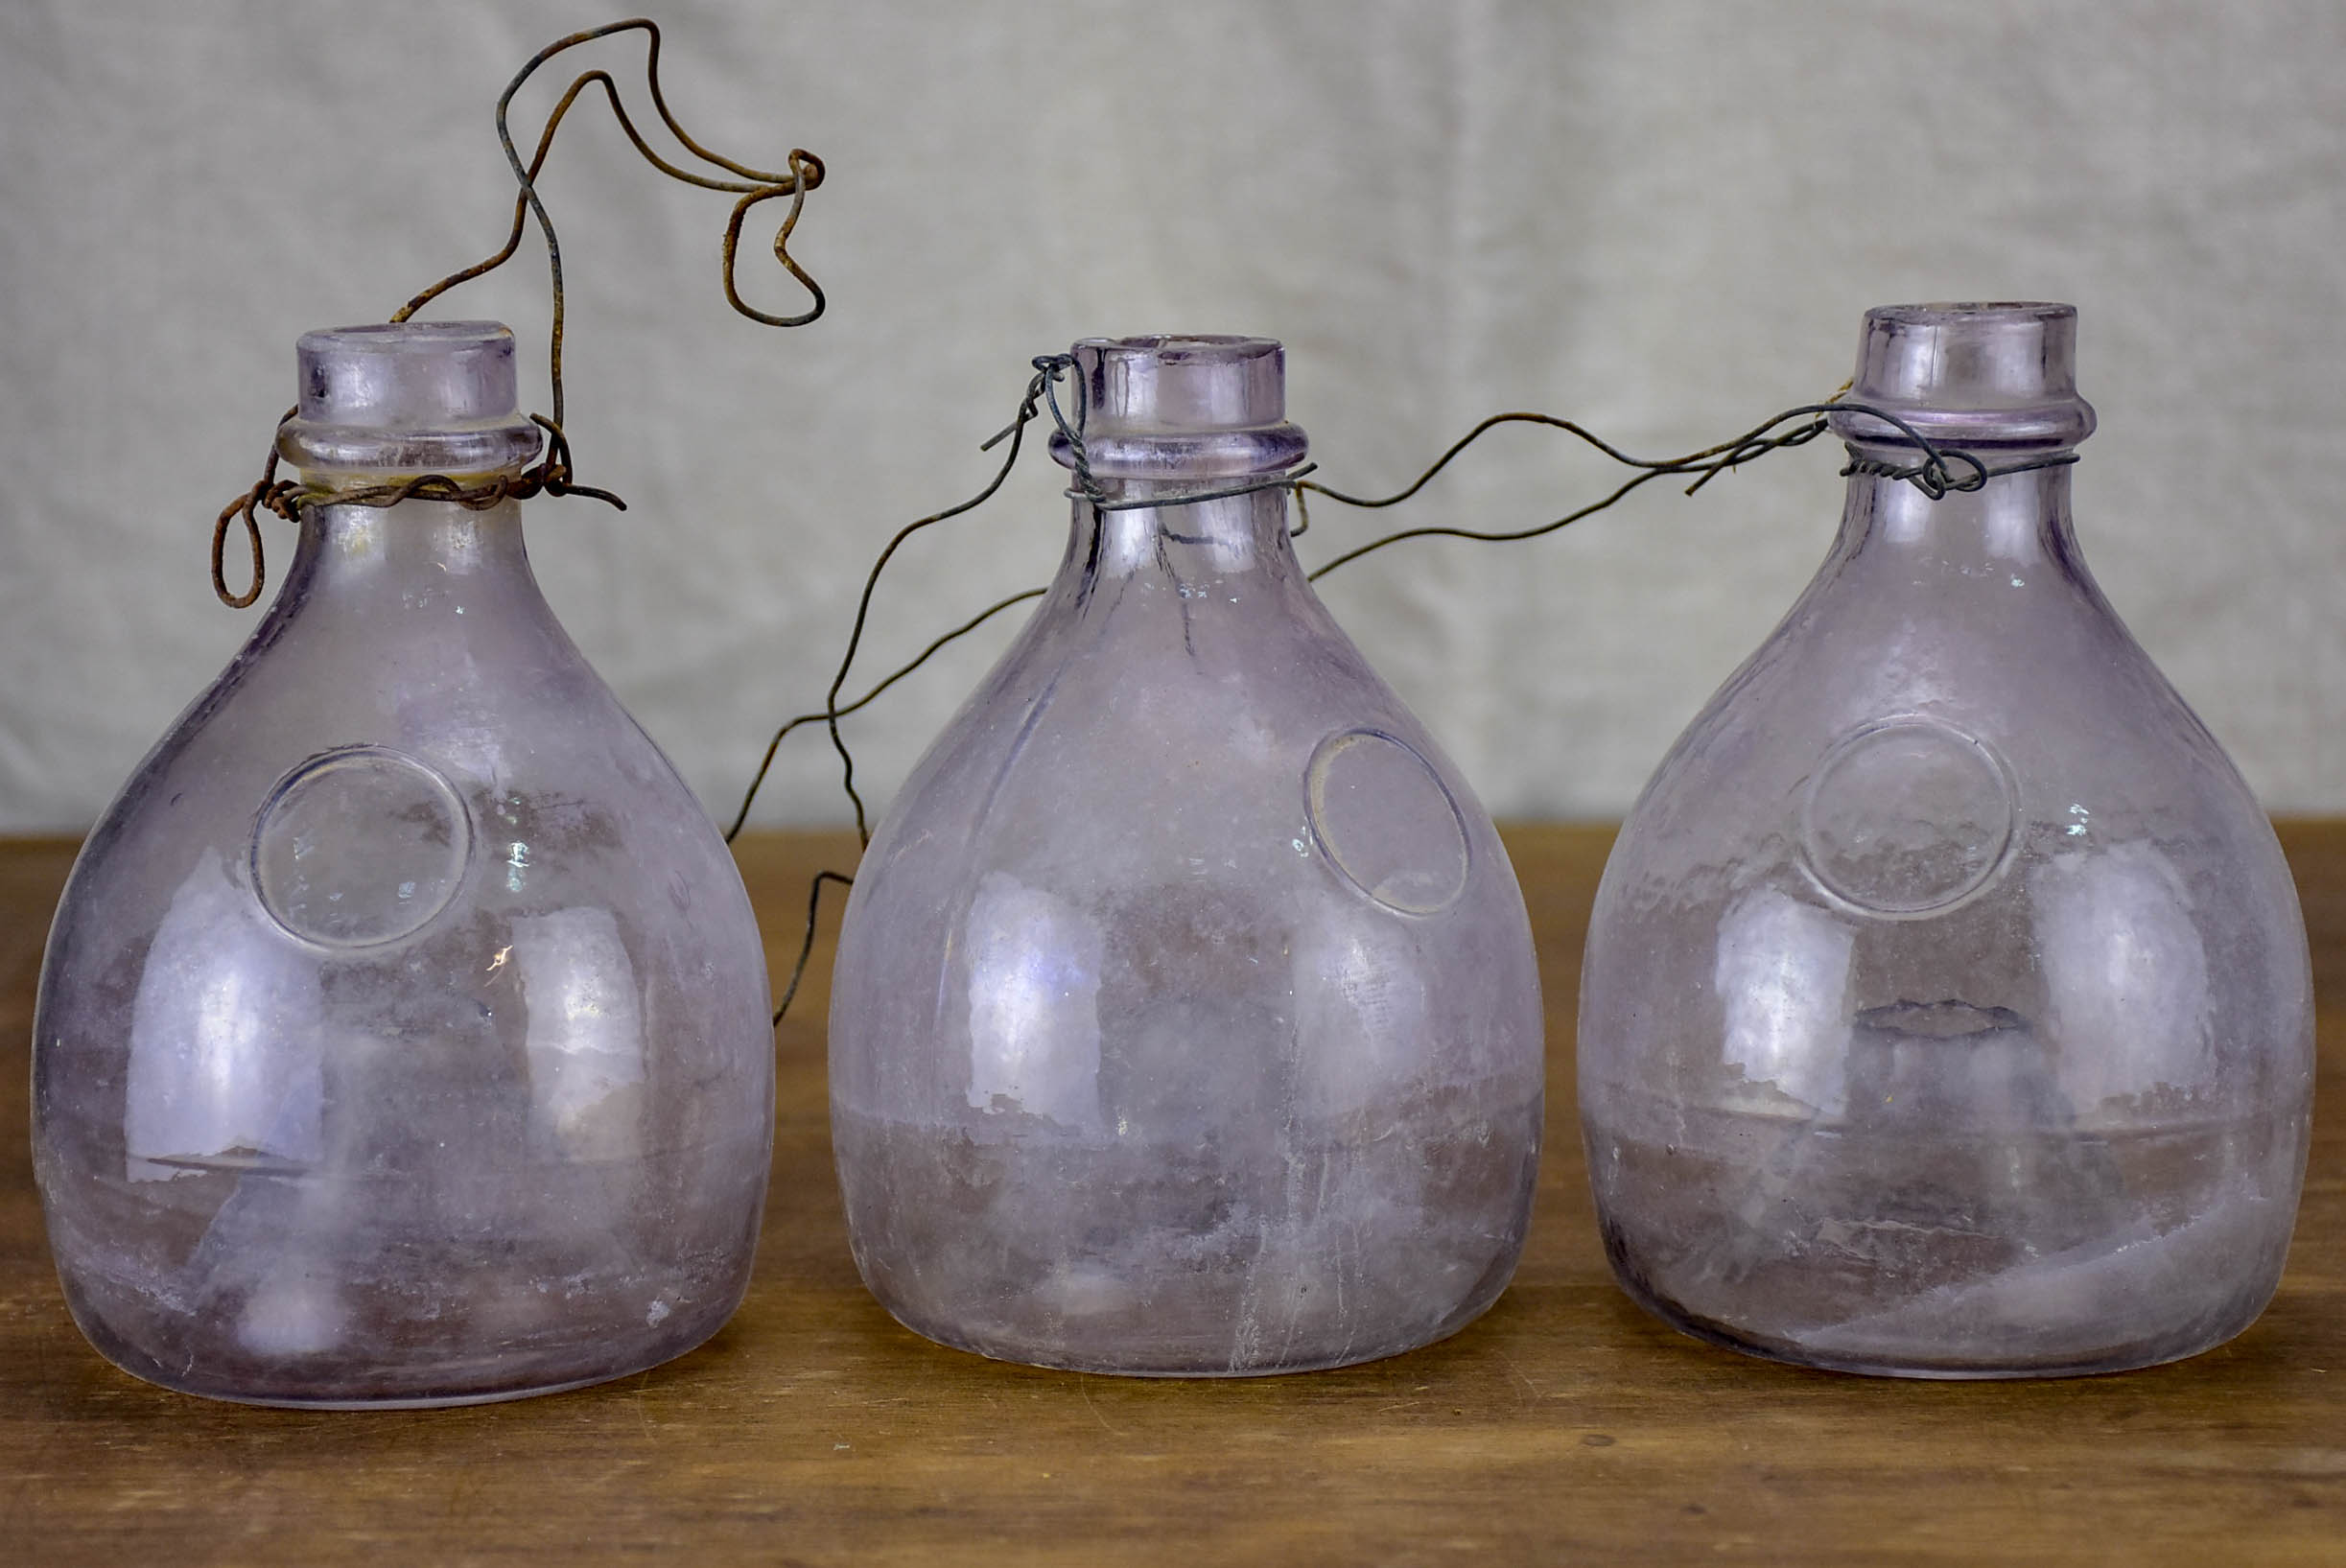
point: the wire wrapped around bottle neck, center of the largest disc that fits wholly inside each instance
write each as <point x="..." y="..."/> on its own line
<point x="1048" y="368"/>
<point x="1283" y="480"/>
<point x="752" y="186"/>
<point x="1932" y="478"/>
<point x="1807" y="423"/>
<point x="286" y="498"/>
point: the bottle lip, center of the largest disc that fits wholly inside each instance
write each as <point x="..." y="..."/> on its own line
<point x="1215" y="346"/>
<point x="1969" y="373"/>
<point x="1941" y="311"/>
<point x="408" y="397"/>
<point x="1182" y="405"/>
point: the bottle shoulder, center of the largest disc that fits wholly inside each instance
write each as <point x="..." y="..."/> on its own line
<point x="420" y="767"/>
<point x="2052" y="686"/>
<point x="1889" y="757"/>
<point x="1160" y="739"/>
<point x="1268" y="782"/>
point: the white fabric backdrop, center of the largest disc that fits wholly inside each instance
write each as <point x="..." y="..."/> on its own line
<point x="1661" y="217"/>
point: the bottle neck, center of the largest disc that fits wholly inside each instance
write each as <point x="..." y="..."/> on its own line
<point x="2012" y="523"/>
<point x="411" y="551"/>
<point x="1189" y="546"/>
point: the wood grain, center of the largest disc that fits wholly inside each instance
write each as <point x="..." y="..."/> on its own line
<point x="1563" y="1426"/>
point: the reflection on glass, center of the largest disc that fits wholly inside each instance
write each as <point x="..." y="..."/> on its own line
<point x="1783" y="979"/>
<point x="1034" y="1004"/>
<point x="225" y="1043"/>
<point x="1946" y="1009"/>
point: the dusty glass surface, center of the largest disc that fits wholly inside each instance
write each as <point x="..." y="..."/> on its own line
<point x="402" y="1037"/>
<point x="1185" y="1020"/>
<point x="1945" y="1009"/>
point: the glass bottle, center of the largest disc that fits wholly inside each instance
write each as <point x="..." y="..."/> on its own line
<point x="402" y="1037"/>
<point x="1946" y="1009"/>
<point x="1185" y="1020"/>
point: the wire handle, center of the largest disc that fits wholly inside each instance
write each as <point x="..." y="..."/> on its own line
<point x="553" y="474"/>
<point x="752" y="185"/>
<point x="1935" y="476"/>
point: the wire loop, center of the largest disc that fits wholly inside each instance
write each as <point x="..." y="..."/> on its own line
<point x="1933" y="476"/>
<point x="553" y="476"/>
<point x="753" y="186"/>
<point x="286" y="498"/>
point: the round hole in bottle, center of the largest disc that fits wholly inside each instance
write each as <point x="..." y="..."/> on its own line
<point x="1907" y="816"/>
<point x="358" y="846"/>
<point x="1384" y="819"/>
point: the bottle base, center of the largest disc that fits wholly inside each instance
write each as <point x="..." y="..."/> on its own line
<point x="1944" y="1252"/>
<point x="1143" y="1366"/>
<point x="485" y="1392"/>
<point x="216" y="1365"/>
<point x="440" y="1401"/>
<point x="2117" y="1358"/>
<point x="1153" y="1258"/>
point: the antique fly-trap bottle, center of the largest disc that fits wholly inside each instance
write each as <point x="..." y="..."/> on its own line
<point x="1946" y="1009"/>
<point x="1185" y="1020"/>
<point x="403" y="1037"/>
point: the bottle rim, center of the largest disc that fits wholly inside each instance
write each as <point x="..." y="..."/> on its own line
<point x="2000" y="374"/>
<point x="1181" y="406"/>
<point x="406" y="398"/>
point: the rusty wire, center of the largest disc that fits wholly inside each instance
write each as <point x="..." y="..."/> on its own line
<point x="287" y="496"/>
<point x="766" y="763"/>
<point x="806" y="945"/>
<point x="1040" y="387"/>
<point x="553" y="474"/>
<point x="1935" y="476"/>
<point x="754" y="186"/>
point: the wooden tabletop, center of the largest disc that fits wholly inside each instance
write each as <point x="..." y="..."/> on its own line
<point x="1565" y="1426"/>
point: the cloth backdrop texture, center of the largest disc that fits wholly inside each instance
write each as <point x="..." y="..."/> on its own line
<point x="1664" y="218"/>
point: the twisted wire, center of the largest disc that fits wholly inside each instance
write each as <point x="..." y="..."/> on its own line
<point x="555" y="475"/>
<point x="1934" y="475"/>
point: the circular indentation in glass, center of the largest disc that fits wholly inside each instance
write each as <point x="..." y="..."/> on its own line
<point x="1384" y="819"/>
<point x="359" y="845"/>
<point x="1907" y="816"/>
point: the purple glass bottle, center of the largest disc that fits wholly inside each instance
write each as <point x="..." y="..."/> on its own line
<point x="402" y="1037"/>
<point x="1185" y="1020"/>
<point x="1946" y="1009"/>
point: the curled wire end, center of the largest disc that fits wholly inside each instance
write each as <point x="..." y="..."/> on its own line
<point x="806" y="946"/>
<point x="1934" y="479"/>
<point x="1048" y="368"/>
<point x="552" y="477"/>
<point x="282" y="497"/>
<point x="1930" y="476"/>
<point x="287" y="496"/>
<point x="806" y="173"/>
<point x="752" y="186"/>
<point x="241" y="507"/>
